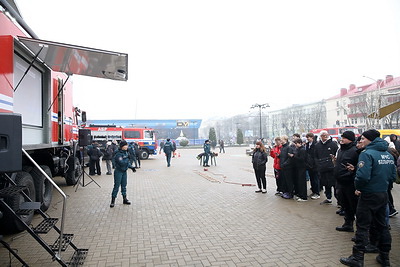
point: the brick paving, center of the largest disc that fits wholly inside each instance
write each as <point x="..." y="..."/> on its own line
<point x="185" y="216"/>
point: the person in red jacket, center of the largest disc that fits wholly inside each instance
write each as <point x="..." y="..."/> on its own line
<point x="274" y="153"/>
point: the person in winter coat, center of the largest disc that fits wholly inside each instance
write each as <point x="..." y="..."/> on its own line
<point x="300" y="170"/>
<point x="132" y="154"/>
<point x="122" y="164"/>
<point x="94" y="154"/>
<point x="168" y="149"/>
<point x="287" y="165"/>
<point x="274" y="153"/>
<point x="347" y="157"/>
<point x="396" y="142"/>
<point x="114" y="147"/>
<point x="259" y="160"/>
<point x="311" y="167"/>
<point x="375" y="169"/>
<point x="325" y="151"/>
<point x="207" y="153"/>
<point x="108" y="154"/>
<point x="137" y="154"/>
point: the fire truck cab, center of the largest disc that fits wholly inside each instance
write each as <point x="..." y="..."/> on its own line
<point x="37" y="116"/>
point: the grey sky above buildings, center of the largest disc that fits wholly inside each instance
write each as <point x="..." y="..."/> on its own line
<point x="213" y="58"/>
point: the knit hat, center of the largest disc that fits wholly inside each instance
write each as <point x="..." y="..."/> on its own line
<point x="371" y="134"/>
<point x="123" y="143"/>
<point x="349" y="135"/>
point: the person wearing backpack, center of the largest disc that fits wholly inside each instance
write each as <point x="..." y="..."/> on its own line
<point x="168" y="149"/>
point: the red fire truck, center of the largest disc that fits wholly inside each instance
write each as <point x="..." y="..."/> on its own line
<point x="38" y="122"/>
<point x="336" y="132"/>
<point x="144" y="137"/>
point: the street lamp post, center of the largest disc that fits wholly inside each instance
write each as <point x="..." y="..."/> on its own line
<point x="260" y="106"/>
<point x="378" y="86"/>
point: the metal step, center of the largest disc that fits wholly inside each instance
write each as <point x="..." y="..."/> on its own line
<point x="45" y="226"/>
<point x="66" y="240"/>
<point x="79" y="257"/>
<point x="11" y="190"/>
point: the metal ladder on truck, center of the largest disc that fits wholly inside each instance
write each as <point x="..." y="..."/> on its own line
<point x="63" y="241"/>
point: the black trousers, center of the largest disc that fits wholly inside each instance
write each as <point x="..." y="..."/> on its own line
<point x="371" y="209"/>
<point x="287" y="181"/>
<point x="260" y="177"/>
<point x="278" y="180"/>
<point x="348" y="201"/>
<point x="94" y="167"/>
<point x="300" y="183"/>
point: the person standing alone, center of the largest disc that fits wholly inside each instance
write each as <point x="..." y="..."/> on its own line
<point x="122" y="164"/>
<point x="168" y="149"/>
<point x="259" y="160"/>
<point x="207" y="153"/>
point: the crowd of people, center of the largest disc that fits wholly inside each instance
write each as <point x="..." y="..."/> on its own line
<point x="358" y="172"/>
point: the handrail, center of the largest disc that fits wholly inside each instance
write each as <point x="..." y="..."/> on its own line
<point x="62" y="194"/>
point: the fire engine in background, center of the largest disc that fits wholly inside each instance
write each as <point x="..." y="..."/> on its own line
<point x="144" y="137"/>
<point x="336" y="132"/>
<point x="39" y="133"/>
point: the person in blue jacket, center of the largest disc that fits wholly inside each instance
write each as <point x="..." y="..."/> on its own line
<point x="122" y="163"/>
<point x="375" y="169"/>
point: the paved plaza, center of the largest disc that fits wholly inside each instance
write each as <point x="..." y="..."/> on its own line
<point x="186" y="216"/>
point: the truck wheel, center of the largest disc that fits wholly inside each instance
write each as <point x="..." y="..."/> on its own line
<point x="43" y="187"/>
<point x="74" y="171"/>
<point x="8" y="224"/>
<point x="144" y="154"/>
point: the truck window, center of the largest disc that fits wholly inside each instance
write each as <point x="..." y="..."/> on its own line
<point x="132" y="134"/>
<point x="28" y="96"/>
<point x="148" y="134"/>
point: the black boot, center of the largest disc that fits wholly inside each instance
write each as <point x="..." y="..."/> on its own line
<point x="355" y="260"/>
<point x="126" y="201"/>
<point x="383" y="259"/>
<point x="346" y="227"/>
<point x="112" y="202"/>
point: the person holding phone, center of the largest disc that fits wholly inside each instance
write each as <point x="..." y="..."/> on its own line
<point x="347" y="156"/>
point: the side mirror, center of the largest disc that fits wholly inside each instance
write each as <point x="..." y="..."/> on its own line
<point x="83" y="116"/>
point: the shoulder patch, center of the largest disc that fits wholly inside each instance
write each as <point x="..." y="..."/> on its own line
<point x="361" y="164"/>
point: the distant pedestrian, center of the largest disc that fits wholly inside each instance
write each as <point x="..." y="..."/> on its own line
<point x="132" y="154"/>
<point x="94" y="159"/>
<point x="375" y="170"/>
<point x="311" y="167"/>
<point x="137" y="154"/>
<point x="114" y="147"/>
<point x="120" y="176"/>
<point x="161" y="146"/>
<point x="168" y="150"/>
<point x="108" y="154"/>
<point x="259" y="160"/>
<point x="287" y="166"/>
<point x="207" y="153"/>
<point x="221" y="146"/>
<point x="174" y="149"/>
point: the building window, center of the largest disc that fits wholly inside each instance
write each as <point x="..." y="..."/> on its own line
<point x="337" y="103"/>
<point x="338" y="112"/>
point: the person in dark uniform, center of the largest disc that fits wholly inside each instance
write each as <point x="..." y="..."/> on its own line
<point x="375" y="169"/>
<point x="168" y="149"/>
<point x="207" y="153"/>
<point x="122" y="164"/>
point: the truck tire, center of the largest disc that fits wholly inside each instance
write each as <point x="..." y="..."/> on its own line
<point x="74" y="171"/>
<point x="43" y="187"/>
<point x="9" y="224"/>
<point x="144" y="154"/>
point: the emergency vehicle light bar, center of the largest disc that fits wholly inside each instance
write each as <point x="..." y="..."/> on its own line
<point x="73" y="59"/>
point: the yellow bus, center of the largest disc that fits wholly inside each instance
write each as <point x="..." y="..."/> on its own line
<point x="388" y="132"/>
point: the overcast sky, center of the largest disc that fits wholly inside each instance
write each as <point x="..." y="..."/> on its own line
<point x="200" y="59"/>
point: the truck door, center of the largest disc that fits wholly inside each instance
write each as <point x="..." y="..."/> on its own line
<point x="60" y="112"/>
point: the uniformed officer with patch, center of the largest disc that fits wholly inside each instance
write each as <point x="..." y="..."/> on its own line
<point x="122" y="163"/>
<point x="375" y="169"/>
